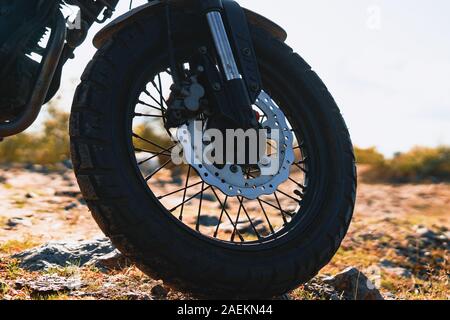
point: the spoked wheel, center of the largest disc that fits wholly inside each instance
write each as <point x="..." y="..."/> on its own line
<point x="206" y="230"/>
<point x="260" y="209"/>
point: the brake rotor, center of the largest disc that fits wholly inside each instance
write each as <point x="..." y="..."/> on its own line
<point x="232" y="179"/>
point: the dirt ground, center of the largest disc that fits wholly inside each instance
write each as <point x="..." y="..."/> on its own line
<point x="399" y="236"/>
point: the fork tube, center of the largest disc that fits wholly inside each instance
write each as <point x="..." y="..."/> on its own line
<point x="223" y="45"/>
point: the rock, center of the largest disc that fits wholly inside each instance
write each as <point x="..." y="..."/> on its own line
<point x="321" y="290"/>
<point x="209" y="221"/>
<point x="177" y="180"/>
<point x="37" y="168"/>
<point x="387" y="264"/>
<point x="392" y="268"/>
<point x="67" y="164"/>
<point x="400" y="272"/>
<point x="426" y="233"/>
<point x="390" y="296"/>
<point x="285" y="296"/>
<point x="31" y="195"/>
<point x="370" y="236"/>
<point x="354" y="285"/>
<point x="137" y="296"/>
<point x="70" y="206"/>
<point x="61" y="254"/>
<point x="447" y="235"/>
<point x="429" y="236"/>
<point x="14" y="222"/>
<point x="48" y="284"/>
<point x="373" y="273"/>
<point x="176" y="176"/>
<point x="207" y="197"/>
<point x="221" y="206"/>
<point x="68" y="179"/>
<point x="245" y="227"/>
<point x="71" y="193"/>
<point x="159" y="291"/>
<point x="112" y="261"/>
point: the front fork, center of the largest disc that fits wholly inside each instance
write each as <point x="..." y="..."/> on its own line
<point x="233" y="85"/>
<point x="237" y="56"/>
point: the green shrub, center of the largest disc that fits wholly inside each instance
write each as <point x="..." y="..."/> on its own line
<point x="51" y="145"/>
<point x="155" y="134"/>
<point x="48" y="147"/>
<point x="16" y="149"/>
<point x="368" y="156"/>
<point x="418" y="165"/>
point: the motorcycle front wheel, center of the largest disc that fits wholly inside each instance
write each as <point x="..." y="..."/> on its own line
<point x="165" y="218"/>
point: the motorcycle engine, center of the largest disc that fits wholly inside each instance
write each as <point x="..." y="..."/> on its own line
<point x="16" y="87"/>
<point x="23" y="24"/>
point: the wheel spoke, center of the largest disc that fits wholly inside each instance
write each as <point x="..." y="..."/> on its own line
<point x="163" y="110"/>
<point x="149" y="105"/>
<point x="162" y="100"/>
<point x="300" y="145"/>
<point x="185" y="191"/>
<point x="301" y="168"/>
<point x="162" y="153"/>
<point x="248" y="217"/>
<point x="154" y="144"/>
<point x="227" y="214"/>
<point x="236" y="223"/>
<point x="286" y="195"/>
<point x="281" y="210"/>
<point x="270" y="145"/>
<point x="272" y="230"/>
<point x="275" y="207"/>
<point x="221" y="213"/>
<point x="186" y="201"/>
<point x="153" y="98"/>
<point x="148" y="115"/>
<point x="197" y="227"/>
<point x="298" y="184"/>
<point x="158" y="170"/>
<point x="179" y="190"/>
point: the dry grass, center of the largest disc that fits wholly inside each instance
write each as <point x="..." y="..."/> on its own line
<point x="14" y="246"/>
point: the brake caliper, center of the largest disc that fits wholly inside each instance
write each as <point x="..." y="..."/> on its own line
<point x="185" y="102"/>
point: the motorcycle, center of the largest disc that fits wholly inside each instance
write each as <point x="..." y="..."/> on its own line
<point x="163" y="72"/>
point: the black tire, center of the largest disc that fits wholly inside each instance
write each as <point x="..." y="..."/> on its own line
<point x="139" y="226"/>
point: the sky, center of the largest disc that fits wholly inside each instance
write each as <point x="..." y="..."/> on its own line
<point x="387" y="64"/>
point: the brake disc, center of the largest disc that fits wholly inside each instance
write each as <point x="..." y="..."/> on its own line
<point x="231" y="179"/>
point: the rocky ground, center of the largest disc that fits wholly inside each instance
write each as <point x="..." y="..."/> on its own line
<point x="50" y="248"/>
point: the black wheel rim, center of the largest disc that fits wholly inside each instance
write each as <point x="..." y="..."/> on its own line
<point x="202" y="208"/>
